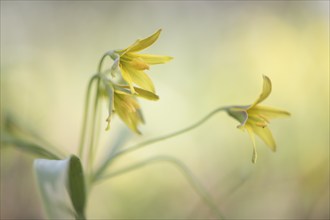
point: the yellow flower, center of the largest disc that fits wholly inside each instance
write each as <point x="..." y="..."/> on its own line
<point x="125" y="104"/>
<point x="255" y="118"/>
<point x="132" y="65"/>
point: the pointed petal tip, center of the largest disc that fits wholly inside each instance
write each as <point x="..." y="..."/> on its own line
<point x="266" y="90"/>
<point x="265" y="77"/>
<point x="272" y="146"/>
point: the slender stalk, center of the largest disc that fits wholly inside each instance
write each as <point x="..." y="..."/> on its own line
<point x="95" y="123"/>
<point x="91" y="150"/>
<point x="85" y="117"/>
<point x="154" y="140"/>
<point x="99" y="68"/>
<point x="197" y="186"/>
<point x="98" y="126"/>
<point x="86" y="108"/>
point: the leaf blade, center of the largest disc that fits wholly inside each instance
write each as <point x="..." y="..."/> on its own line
<point x="62" y="187"/>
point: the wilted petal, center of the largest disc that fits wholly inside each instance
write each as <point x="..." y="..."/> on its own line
<point x="266" y="90"/>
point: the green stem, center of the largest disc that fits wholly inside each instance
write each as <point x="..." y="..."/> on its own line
<point x="99" y="68"/>
<point x="91" y="151"/>
<point x="197" y="186"/>
<point x="85" y="117"/>
<point x="86" y="108"/>
<point x="151" y="141"/>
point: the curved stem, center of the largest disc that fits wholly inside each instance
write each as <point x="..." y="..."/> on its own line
<point x="154" y="140"/>
<point x="99" y="68"/>
<point x="91" y="151"/>
<point x="86" y="110"/>
<point x="197" y="186"/>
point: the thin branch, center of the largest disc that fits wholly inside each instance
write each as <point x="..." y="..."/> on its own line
<point x="197" y="186"/>
<point x="154" y="140"/>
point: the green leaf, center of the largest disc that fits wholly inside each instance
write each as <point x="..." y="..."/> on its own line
<point x="62" y="187"/>
<point x="77" y="186"/>
<point x="18" y="134"/>
<point x="27" y="146"/>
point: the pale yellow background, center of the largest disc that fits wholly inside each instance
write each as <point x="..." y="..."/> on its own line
<point x="50" y="49"/>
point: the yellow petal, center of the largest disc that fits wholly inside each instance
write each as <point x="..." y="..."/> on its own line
<point x="266" y="90"/>
<point x="146" y="94"/>
<point x="139" y="64"/>
<point x="144" y="43"/>
<point x="266" y="135"/>
<point x="129" y="111"/>
<point x="154" y="59"/>
<point x="268" y="112"/>
<point x="127" y="77"/>
<point x="122" y="89"/>
<point x="141" y="79"/>
<point x="251" y="134"/>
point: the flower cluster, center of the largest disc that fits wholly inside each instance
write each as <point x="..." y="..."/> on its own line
<point x="134" y="83"/>
<point x="131" y="66"/>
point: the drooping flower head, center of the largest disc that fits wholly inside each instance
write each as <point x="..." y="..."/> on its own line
<point x="125" y="104"/>
<point x="255" y="118"/>
<point x="132" y="65"/>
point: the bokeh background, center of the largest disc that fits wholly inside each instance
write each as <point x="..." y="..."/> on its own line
<point x="50" y="49"/>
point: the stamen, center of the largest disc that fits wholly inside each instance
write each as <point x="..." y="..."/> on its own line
<point x="261" y="124"/>
<point x="264" y="117"/>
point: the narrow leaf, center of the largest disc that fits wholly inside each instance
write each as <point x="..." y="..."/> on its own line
<point x="32" y="148"/>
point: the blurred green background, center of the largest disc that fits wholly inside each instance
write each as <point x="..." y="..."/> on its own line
<point x="50" y="49"/>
